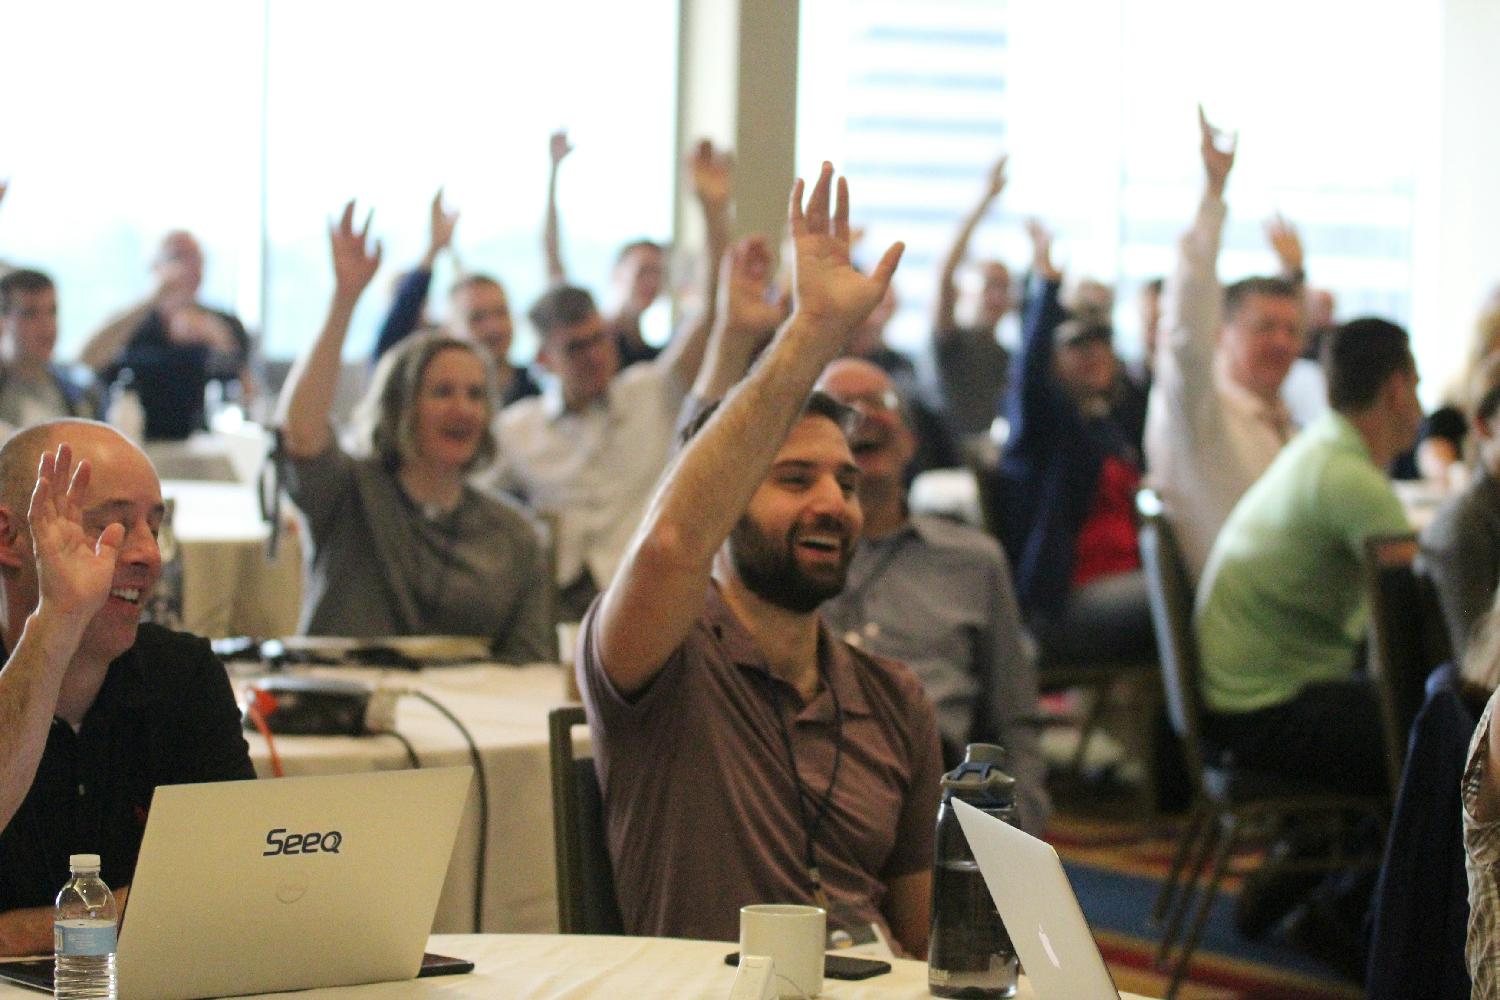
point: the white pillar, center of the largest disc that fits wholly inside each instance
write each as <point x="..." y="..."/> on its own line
<point x="1457" y="228"/>
<point x="737" y="85"/>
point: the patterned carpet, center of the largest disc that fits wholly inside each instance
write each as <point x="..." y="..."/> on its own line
<point x="1116" y="867"/>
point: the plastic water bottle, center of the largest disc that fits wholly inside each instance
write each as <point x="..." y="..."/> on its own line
<point x="969" y="953"/>
<point x="126" y="413"/>
<point x="83" y="934"/>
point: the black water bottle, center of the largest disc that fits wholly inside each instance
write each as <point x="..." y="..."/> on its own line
<point x="969" y="953"/>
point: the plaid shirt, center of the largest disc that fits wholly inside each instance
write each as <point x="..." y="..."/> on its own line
<point x="1482" y="858"/>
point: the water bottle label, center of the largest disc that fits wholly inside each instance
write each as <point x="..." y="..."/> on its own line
<point x="83" y="937"/>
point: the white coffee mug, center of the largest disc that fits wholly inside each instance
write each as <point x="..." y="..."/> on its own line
<point x="794" y="938"/>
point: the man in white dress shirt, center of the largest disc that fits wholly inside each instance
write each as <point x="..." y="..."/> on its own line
<point x="1216" y="418"/>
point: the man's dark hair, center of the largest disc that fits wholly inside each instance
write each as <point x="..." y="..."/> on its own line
<point x="1154" y="285"/>
<point x="22" y="282"/>
<point x="565" y="305"/>
<point x="1278" y="288"/>
<point x="1360" y="357"/>
<point x="473" y="279"/>
<point x="634" y="245"/>
<point x="819" y="404"/>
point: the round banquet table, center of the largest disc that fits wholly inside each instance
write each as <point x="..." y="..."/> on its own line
<point x="230" y="585"/>
<point x="505" y="708"/>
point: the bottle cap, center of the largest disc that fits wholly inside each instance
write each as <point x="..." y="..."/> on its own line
<point x="979" y="780"/>
<point x="82" y="862"/>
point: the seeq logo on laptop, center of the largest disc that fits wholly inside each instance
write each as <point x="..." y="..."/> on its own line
<point x="312" y="842"/>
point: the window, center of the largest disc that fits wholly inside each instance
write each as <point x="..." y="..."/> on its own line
<point x="1095" y="102"/>
<point x="252" y="123"/>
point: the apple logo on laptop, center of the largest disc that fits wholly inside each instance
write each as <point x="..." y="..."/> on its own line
<point x="292" y="890"/>
<point x="1047" y="946"/>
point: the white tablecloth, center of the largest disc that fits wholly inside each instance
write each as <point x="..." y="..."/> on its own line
<point x="947" y="492"/>
<point x="230" y="585"/>
<point x="218" y="456"/>
<point x="558" y="967"/>
<point x="505" y="708"/>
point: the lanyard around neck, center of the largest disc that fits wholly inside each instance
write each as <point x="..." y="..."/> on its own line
<point x="811" y="825"/>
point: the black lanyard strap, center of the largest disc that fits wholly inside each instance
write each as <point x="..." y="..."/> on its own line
<point x="812" y="826"/>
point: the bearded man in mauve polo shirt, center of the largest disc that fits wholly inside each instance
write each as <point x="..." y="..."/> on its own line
<point x="746" y="754"/>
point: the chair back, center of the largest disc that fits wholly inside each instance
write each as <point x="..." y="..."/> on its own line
<point x="1171" y="595"/>
<point x="586" y="902"/>
<point x="1407" y="639"/>
<point x="987" y="488"/>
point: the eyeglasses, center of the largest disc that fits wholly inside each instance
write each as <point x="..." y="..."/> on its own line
<point x="874" y="402"/>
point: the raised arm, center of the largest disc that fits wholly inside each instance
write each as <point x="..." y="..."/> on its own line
<point x="1192" y="310"/>
<point x="659" y="590"/>
<point x="411" y="294"/>
<point x="106" y="343"/>
<point x="745" y="320"/>
<point x="1286" y="242"/>
<point x="557" y="272"/>
<point x="1036" y="400"/>
<point x="713" y="183"/>
<point x="944" y="322"/>
<point x="74" y="572"/>
<point x="307" y="397"/>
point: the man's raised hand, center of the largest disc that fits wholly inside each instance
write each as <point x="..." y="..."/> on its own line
<point x="440" y="227"/>
<point x="74" y="571"/>
<point x="354" y="263"/>
<point x="745" y="307"/>
<point x="996" y="181"/>
<point x="829" y="292"/>
<point x="1218" y="148"/>
<point x="1287" y="244"/>
<point x="1041" y="250"/>
<point x="558" y="147"/>
<point x="713" y="175"/>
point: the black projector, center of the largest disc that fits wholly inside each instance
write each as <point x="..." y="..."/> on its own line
<point x="319" y="706"/>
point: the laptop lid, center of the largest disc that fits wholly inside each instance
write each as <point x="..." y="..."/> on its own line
<point x="1040" y="911"/>
<point x="289" y="883"/>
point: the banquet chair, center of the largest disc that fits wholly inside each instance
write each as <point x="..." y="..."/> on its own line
<point x="1228" y="800"/>
<point x="1407" y="639"/>
<point x="1097" y="678"/>
<point x="586" y="901"/>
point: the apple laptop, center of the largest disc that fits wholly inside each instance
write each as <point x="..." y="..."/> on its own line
<point x="1041" y="913"/>
<point x="288" y="883"/>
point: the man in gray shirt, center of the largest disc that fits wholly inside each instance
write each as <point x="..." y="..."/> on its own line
<point x="937" y="596"/>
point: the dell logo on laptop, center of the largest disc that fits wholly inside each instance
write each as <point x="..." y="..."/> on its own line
<point x="282" y="842"/>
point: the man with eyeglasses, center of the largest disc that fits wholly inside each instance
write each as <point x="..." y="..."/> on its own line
<point x="586" y="452"/>
<point x="935" y="595"/>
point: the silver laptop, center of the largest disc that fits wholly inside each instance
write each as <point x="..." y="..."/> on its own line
<point x="1042" y="915"/>
<point x="288" y="883"/>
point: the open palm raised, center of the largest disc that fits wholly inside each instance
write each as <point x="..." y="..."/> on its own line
<point x="74" y="571"/>
<point x="829" y="291"/>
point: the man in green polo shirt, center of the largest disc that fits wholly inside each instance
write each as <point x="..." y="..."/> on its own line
<point x="1281" y="610"/>
<point x="1281" y="614"/>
